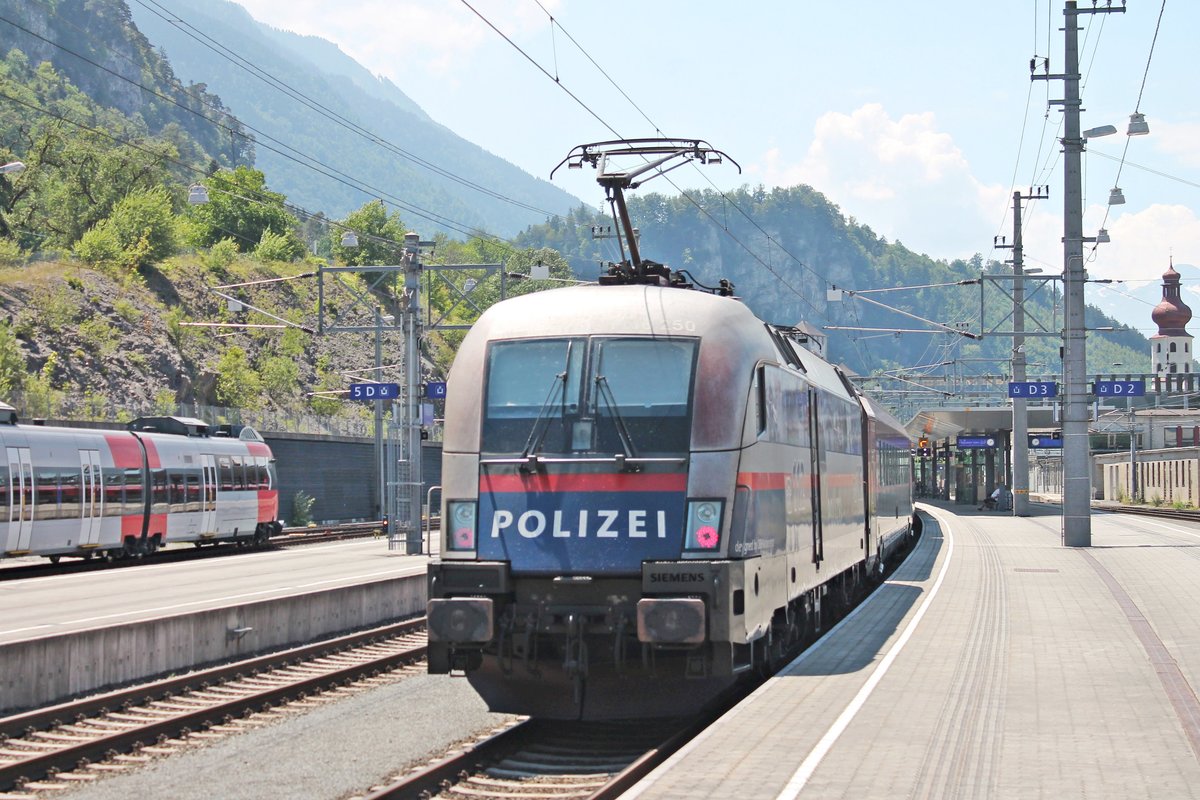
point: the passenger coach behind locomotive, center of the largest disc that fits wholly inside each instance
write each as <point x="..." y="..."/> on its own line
<point x="648" y="493"/>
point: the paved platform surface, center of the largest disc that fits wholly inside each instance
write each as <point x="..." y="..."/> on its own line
<point x="994" y="664"/>
<point x="35" y="607"/>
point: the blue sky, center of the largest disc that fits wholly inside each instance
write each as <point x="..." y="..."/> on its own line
<point x="917" y="119"/>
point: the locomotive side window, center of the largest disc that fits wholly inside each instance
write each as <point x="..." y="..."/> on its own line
<point x="783" y="407"/>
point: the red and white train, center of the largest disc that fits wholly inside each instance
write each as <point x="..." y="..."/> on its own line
<point x="126" y="493"/>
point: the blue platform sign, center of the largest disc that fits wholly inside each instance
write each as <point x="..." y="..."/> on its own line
<point x="974" y="442"/>
<point x="1033" y="389"/>
<point x="435" y="390"/>
<point x="374" y="391"/>
<point x="1120" y="388"/>
<point x="1045" y="440"/>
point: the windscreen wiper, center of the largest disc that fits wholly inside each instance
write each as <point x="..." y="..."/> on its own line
<point x="542" y="424"/>
<point x="606" y="394"/>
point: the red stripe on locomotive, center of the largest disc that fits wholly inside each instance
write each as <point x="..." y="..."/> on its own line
<point x="613" y="482"/>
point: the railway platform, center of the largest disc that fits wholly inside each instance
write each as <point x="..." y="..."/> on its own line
<point x="80" y="631"/>
<point x="994" y="663"/>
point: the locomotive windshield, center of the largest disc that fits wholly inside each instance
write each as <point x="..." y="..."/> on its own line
<point x="598" y="395"/>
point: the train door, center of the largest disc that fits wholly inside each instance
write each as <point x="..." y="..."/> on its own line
<point x="817" y="472"/>
<point x="208" y="493"/>
<point x="91" y="497"/>
<point x="20" y="499"/>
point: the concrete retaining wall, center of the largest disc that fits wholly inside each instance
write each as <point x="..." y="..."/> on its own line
<point x="51" y="669"/>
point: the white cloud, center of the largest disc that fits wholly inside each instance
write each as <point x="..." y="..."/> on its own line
<point x="1178" y="140"/>
<point x="903" y="177"/>
<point x="391" y="37"/>
<point x="1143" y="243"/>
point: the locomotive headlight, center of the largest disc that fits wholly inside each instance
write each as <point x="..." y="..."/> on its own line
<point x="462" y="525"/>
<point x="704" y="525"/>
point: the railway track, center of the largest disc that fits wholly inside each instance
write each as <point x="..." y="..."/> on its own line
<point x="543" y="759"/>
<point x="1150" y="511"/>
<point x="73" y="742"/>
<point x="1161" y="512"/>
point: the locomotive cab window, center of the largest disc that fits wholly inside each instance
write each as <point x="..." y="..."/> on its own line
<point x="601" y="395"/>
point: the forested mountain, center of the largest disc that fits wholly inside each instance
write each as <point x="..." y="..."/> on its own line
<point x="335" y="136"/>
<point x="95" y="46"/>
<point x="784" y="248"/>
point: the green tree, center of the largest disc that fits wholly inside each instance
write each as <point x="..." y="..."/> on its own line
<point x="278" y="247"/>
<point x="380" y="237"/>
<point x="280" y="377"/>
<point x="140" y="231"/>
<point x="12" y="362"/>
<point x="242" y="208"/>
<point x="238" y="385"/>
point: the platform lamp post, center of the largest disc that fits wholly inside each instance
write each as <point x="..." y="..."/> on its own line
<point x="1020" y="420"/>
<point x="1077" y="474"/>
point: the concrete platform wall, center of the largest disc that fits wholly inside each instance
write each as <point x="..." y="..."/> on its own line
<point x="51" y="669"/>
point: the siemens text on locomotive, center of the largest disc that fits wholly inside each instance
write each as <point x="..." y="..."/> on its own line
<point x="649" y="493"/>
<point x="125" y="493"/>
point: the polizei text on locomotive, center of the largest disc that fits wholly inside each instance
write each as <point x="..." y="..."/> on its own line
<point x="600" y="524"/>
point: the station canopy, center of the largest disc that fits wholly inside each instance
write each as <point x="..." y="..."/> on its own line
<point x="947" y="422"/>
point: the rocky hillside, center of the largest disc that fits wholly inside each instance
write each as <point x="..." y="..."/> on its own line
<point x="80" y="343"/>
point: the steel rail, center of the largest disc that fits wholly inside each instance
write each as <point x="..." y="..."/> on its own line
<point x="70" y="757"/>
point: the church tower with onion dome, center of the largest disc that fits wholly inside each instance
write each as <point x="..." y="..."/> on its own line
<point x="1171" y="348"/>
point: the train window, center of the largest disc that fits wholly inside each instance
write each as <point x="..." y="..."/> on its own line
<point x="225" y="469"/>
<point x="532" y="395"/>
<point x="46" y="505"/>
<point x="260" y="466"/>
<point x="239" y="474"/>
<point x="839" y="420"/>
<point x="4" y="486"/>
<point x="133" y="490"/>
<point x="69" y="494"/>
<point x="176" y="491"/>
<point x="539" y="399"/>
<point x="271" y="478"/>
<point x="192" y="486"/>
<point x="785" y="407"/>
<point x="160" y="494"/>
<point x="655" y="413"/>
<point x="114" y="492"/>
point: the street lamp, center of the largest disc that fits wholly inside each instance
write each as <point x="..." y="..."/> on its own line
<point x="1137" y="125"/>
<point x="197" y="194"/>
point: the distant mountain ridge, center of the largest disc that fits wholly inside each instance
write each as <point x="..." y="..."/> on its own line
<point x="201" y="38"/>
<point x="97" y="47"/>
